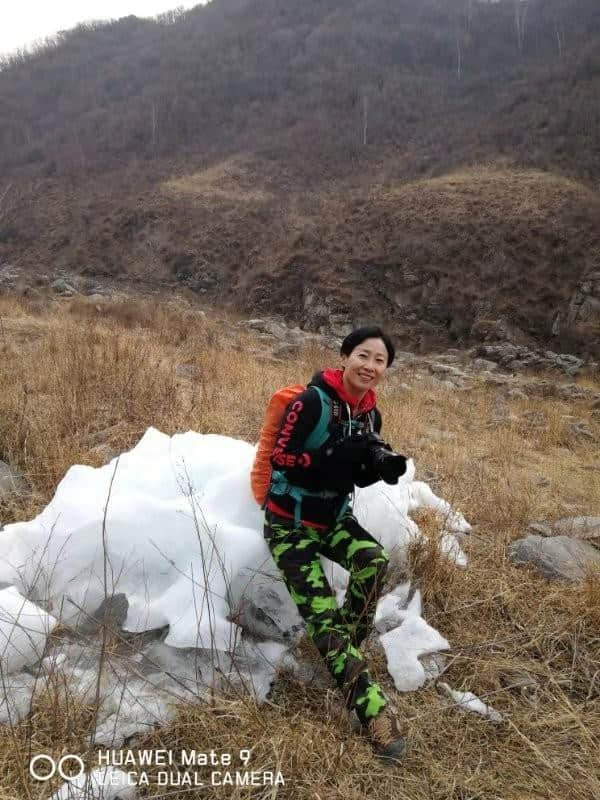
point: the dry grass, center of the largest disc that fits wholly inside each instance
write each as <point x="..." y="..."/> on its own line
<point x="509" y="194"/>
<point x="75" y="377"/>
<point x="228" y="181"/>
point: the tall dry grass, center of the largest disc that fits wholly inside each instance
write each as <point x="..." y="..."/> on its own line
<point x="75" y="379"/>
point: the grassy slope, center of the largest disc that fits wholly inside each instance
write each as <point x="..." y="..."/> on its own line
<point x="71" y="372"/>
<point x="427" y="256"/>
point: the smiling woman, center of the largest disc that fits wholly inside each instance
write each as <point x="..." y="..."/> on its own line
<point x="364" y="361"/>
<point x="328" y="443"/>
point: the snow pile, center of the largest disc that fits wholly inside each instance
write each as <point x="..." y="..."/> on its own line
<point x="172" y="529"/>
<point x="24" y="629"/>
<point x="408" y="638"/>
<point x="467" y="701"/>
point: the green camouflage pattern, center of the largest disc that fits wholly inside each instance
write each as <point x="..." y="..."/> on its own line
<point x="336" y="632"/>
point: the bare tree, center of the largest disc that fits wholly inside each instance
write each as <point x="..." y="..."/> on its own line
<point x="4" y="193"/>
<point x="521" y="7"/>
<point x="469" y="14"/>
<point x="558" y="38"/>
<point x="154" y="126"/>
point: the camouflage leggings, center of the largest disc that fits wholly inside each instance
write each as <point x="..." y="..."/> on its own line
<point x="337" y="632"/>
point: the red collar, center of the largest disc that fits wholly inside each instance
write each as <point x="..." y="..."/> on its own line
<point x="334" y="378"/>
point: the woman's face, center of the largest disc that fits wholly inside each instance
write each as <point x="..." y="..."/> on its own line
<point x="364" y="367"/>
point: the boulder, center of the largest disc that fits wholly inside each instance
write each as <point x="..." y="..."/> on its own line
<point x="556" y="556"/>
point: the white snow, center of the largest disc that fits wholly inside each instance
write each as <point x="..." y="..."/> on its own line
<point x="467" y="701"/>
<point x="24" y="629"/>
<point x="104" y="783"/>
<point x="405" y="643"/>
<point x="172" y="526"/>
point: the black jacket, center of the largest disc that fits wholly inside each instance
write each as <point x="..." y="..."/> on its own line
<point x="312" y="469"/>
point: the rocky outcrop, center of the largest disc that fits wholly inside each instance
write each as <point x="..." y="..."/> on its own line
<point x="323" y="315"/>
<point x="518" y="358"/>
<point x="583" y="313"/>
<point x="284" y="341"/>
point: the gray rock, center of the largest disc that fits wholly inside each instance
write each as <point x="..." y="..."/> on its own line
<point x="556" y="556"/>
<point x="579" y="527"/>
<point x="263" y="608"/>
<point x="581" y="429"/>
<point x="296" y="334"/>
<point x="98" y="291"/>
<point x="584" y="309"/>
<point x="285" y="350"/>
<point x="444" y="369"/>
<point x="97" y="300"/>
<point x="12" y="483"/>
<point x="447" y="358"/>
<point x="405" y="357"/>
<point x="572" y="391"/>
<point x="540" y="528"/>
<point x="255" y="325"/>
<point x="517" y="394"/>
<point x="340" y="324"/>
<point x="496" y="380"/>
<point x="112" y="612"/>
<point x="518" y="358"/>
<point x="484" y="365"/>
<point x="63" y="287"/>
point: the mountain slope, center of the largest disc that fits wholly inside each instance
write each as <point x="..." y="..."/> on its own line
<point x="258" y="150"/>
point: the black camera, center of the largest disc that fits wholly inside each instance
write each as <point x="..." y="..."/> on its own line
<point x="388" y="464"/>
<point x="352" y="459"/>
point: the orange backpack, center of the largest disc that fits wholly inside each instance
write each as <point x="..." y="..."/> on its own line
<point x="260" y="475"/>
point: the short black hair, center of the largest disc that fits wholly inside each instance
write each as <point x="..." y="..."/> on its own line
<point x="359" y="335"/>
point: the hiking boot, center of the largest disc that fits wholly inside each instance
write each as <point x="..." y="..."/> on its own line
<point x="383" y="731"/>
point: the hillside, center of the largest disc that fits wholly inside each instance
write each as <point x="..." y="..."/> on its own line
<point x="255" y="150"/>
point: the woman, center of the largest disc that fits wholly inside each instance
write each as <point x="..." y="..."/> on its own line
<point x="308" y="514"/>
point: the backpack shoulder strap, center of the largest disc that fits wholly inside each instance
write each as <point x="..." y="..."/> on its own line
<point x="320" y="432"/>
